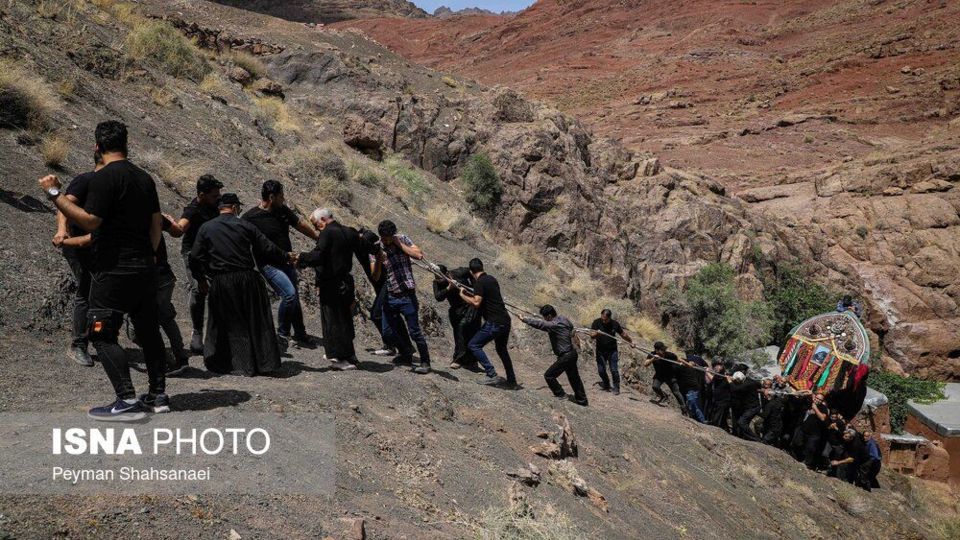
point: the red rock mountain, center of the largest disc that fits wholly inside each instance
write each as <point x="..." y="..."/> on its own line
<point x="837" y="119"/>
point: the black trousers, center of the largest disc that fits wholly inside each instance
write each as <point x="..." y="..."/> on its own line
<point x="198" y="300"/>
<point x="742" y="419"/>
<point x="130" y="290"/>
<point x="81" y="299"/>
<point x="336" y="318"/>
<point x="720" y="415"/>
<point x="465" y="325"/>
<point x="674" y="389"/>
<point x="566" y="363"/>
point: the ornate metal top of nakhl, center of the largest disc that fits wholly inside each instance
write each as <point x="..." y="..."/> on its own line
<point x="841" y="332"/>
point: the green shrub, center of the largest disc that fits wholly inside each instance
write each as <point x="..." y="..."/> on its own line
<point x="483" y="186"/>
<point x="899" y="390"/>
<point x="412" y="182"/>
<point x="158" y="44"/>
<point x="708" y="316"/>
<point x="792" y="298"/>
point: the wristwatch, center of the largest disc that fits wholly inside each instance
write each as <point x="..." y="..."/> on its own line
<point x="53" y="193"/>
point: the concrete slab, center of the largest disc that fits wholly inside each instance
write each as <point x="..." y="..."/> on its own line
<point x="943" y="416"/>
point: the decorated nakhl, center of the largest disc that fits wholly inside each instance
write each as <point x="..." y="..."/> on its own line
<point x="827" y="352"/>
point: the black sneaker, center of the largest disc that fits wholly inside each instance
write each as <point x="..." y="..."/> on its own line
<point x="119" y="411"/>
<point x="159" y="403"/>
<point x="79" y="355"/>
<point x="403" y="360"/>
<point x="616" y="390"/>
<point x="560" y="397"/>
<point x="284" y="343"/>
<point x="492" y="381"/>
<point x="196" y="343"/>
<point x="305" y="342"/>
<point x="422" y="369"/>
<point x="179" y="366"/>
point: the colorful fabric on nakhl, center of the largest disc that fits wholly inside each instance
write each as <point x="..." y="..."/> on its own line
<point x="823" y="351"/>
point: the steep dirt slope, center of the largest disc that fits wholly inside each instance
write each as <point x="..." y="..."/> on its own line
<point x="805" y="102"/>
<point x="417" y="456"/>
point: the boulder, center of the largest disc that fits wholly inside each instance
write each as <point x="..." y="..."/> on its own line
<point x="267" y="87"/>
<point x="240" y="75"/>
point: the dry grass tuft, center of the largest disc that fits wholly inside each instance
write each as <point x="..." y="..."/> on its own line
<point x="253" y="65"/>
<point x="157" y="44"/>
<point x="49" y="9"/>
<point x="441" y="218"/>
<point x="309" y="165"/>
<point x="274" y="113"/>
<point x="450" y="81"/>
<point x="67" y="88"/>
<point x="214" y="85"/>
<point x="162" y="97"/>
<point x="803" y="490"/>
<point x="180" y="177"/>
<point x="26" y="100"/>
<point x="508" y="525"/>
<point x="54" y="151"/>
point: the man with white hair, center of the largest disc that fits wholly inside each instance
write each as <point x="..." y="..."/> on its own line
<point x="332" y="258"/>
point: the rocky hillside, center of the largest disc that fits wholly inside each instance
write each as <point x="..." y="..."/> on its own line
<point x="348" y="124"/>
<point x="328" y="11"/>
<point x="837" y="120"/>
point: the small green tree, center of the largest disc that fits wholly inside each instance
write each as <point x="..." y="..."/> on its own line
<point x="709" y="317"/>
<point x="792" y="298"/>
<point x="899" y="390"/>
<point x="483" y="186"/>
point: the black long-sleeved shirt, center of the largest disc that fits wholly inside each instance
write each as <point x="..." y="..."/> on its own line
<point x="333" y="255"/>
<point x="230" y="244"/>
<point x="560" y="330"/>
<point x="441" y="289"/>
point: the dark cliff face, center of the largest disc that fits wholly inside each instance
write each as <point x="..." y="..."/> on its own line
<point x="329" y="11"/>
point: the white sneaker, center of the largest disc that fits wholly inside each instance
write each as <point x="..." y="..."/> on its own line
<point x="384" y="352"/>
<point x="342" y="366"/>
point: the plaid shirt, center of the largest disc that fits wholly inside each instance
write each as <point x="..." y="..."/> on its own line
<point x="398" y="268"/>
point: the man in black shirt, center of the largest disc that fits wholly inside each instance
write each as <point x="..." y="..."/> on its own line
<point x="464" y="319"/>
<point x="690" y="379"/>
<point x="745" y="402"/>
<point x="664" y="373"/>
<point x="239" y="337"/>
<point x="487" y="299"/>
<point x="74" y="243"/>
<point x="562" y="337"/>
<point x="719" y="409"/>
<point x="808" y="438"/>
<point x="332" y="258"/>
<point x="607" y="353"/>
<point x="123" y="213"/>
<point x="200" y="210"/>
<point x="275" y="219"/>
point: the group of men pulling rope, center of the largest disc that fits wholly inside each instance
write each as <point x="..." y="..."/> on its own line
<point x="110" y="227"/>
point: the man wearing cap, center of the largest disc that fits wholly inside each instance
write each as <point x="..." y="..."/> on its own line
<point x="664" y="372"/>
<point x="239" y="337"/>
<point x="201" y="209"/>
